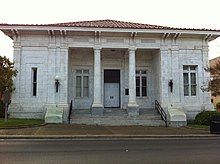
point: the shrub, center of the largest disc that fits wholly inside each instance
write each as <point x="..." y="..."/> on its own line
<point x="203" y="118"/>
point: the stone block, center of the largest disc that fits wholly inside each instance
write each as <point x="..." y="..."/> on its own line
<point x="133" y="110"/>
<point x="97" y="111"/>
<point x="54" y="115"/>
<point x="176" y="117"/>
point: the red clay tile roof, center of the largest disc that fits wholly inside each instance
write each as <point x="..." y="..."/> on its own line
<point x="108" y="24"/>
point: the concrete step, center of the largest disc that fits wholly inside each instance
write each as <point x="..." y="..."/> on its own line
<point x="117" y="117"/>
<point x="116" y="121"/>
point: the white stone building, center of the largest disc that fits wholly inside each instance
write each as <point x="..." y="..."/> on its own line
<point x="109" y="64"/>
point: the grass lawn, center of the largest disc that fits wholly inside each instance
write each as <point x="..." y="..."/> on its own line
<point x="198" y="126"/>
<point x="15" y="122"/>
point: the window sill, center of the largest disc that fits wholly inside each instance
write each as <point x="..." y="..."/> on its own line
<point x="82" y="97"/>
<point x="144" y="97"/>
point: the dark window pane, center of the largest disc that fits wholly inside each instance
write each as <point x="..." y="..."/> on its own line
<point x="111" y="76"/>
<point x="85" y="92"/>
<point x="34" y="74"/>
<point x="78" y="81"/>
<point x="79" y="71"/>
<point x="137" y="91"/>
<point x="34" y="89"/>
<point x="34" y="81"/>
<point x="137" y="72"/>
<point x="185" y="78"/>
<point x="186" y="90"/>
<point x="143" y="72"/>
<point x="126" y="91"/>
<point x="193" y="78"/>
<point x="185" y="67"/>
<point x="78" y="86"/>
<point x="144" y="81"/>
<point x="193" y="67"/>
<point x="86" y="71"/>
<point x="137" y="81"/>
<point x="78" y="92"/>
<point x="193" y="90"/>
<point x="144" y="91"/>
<point x="85" y="86"/>
<point x="85" y="81"/>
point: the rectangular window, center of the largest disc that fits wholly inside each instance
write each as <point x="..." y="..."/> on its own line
<point x="189" y="80"/>
<point x="34" y="81"/>
<point x="82" y="83"/>
<point x="141" y="83"/>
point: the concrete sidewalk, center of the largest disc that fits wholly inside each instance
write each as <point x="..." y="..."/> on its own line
<point x="87" y="131"/>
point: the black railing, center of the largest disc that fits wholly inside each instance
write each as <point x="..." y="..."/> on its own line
<point x="70" y="110"/>
<point x="161" y="111"/>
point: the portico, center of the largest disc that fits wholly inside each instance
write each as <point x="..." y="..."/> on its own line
<point x="97" y="105"/>
<point x="102" y="64"/>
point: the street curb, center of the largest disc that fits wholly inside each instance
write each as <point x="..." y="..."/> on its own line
<point x="100" y="137"/>
<point x="22" y="127"/>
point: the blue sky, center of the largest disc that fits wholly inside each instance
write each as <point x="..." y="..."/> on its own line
<point x="175" y="13"/>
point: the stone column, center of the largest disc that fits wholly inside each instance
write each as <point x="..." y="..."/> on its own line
<point x="97" y="107"/>
<point x="132" y="107"/>
<point x="164" y="77"/>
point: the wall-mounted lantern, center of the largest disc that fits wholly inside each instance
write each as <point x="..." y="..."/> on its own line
<point x="171" y="85"/>
<point x="57" y="83"/>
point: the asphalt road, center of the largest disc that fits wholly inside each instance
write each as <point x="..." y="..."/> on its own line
<point x="110" y="151"/>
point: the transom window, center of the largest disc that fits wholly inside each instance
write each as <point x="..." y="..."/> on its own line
<point x="82" y="83"/>
<point x="141" y="83"/>
<point x="189" y="80"/>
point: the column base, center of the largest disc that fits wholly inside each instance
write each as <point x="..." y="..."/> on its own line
<point x="97" y="110"/>
<point x="133" y="110"/>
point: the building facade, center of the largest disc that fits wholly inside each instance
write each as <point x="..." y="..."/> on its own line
<point x="109" y="64"/>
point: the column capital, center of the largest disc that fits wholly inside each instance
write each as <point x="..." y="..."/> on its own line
<point x="205" y="48"/>
<point x="97" y="48"/>
<point x="164" y="48"/>
<point x="175" y="47"/>
<point x="132" y="48"/>
<point x="17" y="45"/>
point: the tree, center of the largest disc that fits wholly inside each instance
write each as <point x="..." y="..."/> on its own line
<point x="7" y="72"/>
<point x="214" y="84"/>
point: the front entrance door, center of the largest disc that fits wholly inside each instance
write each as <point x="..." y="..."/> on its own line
<point x="112" y="88"/>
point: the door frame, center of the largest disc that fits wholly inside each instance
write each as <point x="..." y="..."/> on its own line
<point x="119" y="90"/>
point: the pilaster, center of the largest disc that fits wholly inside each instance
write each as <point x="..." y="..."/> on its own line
<point x="17" y="65"/>
<point x="207" y="105"/>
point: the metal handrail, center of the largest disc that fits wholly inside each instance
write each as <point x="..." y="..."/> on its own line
<point x="161" y="111"/>
<point x="70" y="110"/>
